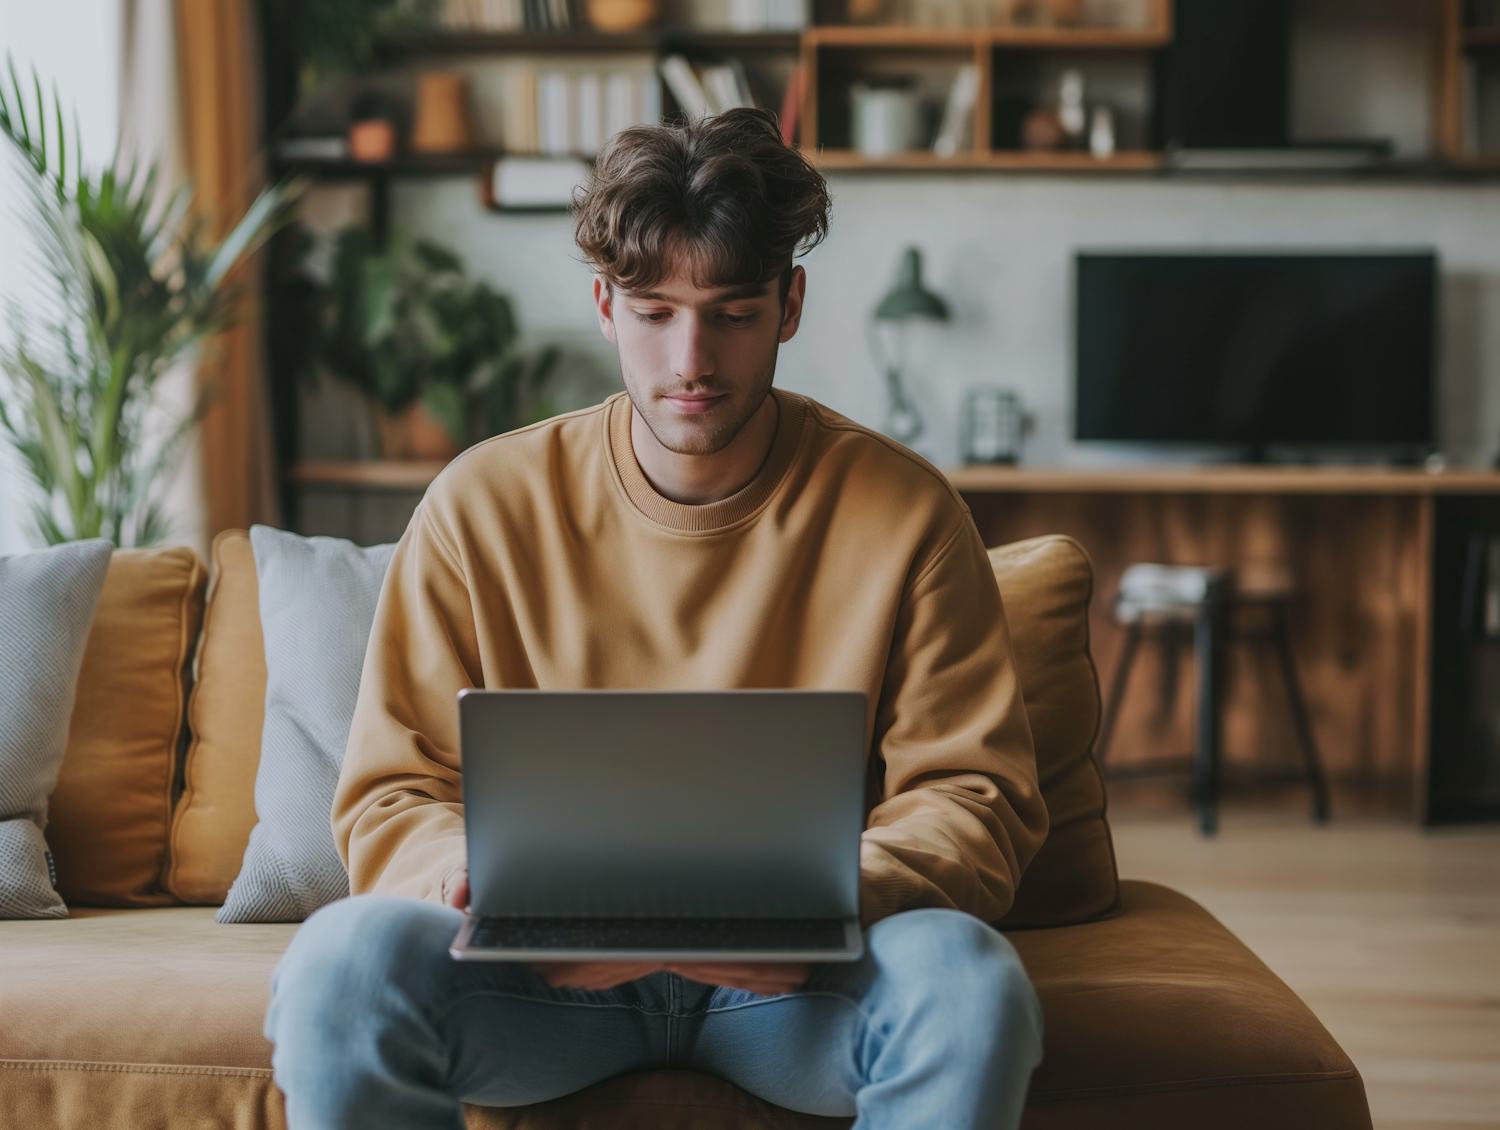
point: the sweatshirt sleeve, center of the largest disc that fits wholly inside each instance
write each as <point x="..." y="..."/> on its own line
<point x="959" y="813"/>
<point x="398" y="818"/>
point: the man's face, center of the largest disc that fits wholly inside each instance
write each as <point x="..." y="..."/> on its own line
<point x="698" y="362"/>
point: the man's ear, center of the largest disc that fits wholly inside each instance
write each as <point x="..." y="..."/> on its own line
<point x="791" y="309"/>
<point x="604" y="306"/>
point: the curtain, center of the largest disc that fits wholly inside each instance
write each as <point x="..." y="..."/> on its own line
<point x="218" y="65"/>
<point x="151" y="135"/>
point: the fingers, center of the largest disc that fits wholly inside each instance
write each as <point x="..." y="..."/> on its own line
<point x="765" y="978"/>
<point x="593" y="976"/>
<point x="456" y="890"/>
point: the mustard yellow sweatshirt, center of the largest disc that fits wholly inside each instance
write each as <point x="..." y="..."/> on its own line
<point x="544" y="558"/>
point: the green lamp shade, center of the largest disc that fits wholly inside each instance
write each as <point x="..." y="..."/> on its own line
<point x="909" y="298"/>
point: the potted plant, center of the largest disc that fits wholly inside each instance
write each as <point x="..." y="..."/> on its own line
<point x="135" y="291"/>
<point x="434" y="349"/>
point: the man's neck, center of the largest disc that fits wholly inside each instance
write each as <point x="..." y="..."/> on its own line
<point x="696" y="480"/>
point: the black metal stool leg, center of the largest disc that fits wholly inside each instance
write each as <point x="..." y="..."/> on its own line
<point x="1117" y="691"/>
<point x="1208" y="645"/>
<point x="1301" y="719"/>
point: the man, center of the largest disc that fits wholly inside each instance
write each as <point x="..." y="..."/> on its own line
<point x="702" y="530"/>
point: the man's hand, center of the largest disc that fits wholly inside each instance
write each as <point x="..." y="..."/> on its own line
<point x="768" y="978"/>
<point x="456" y="889"/>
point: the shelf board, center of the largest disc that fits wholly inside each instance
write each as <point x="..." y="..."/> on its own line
<point x="403" y="165"/>
<point x="369" y="474"/>
<point x="970" y="38"/>
<point x="594" y="42"/>
<point x="1018" y="161"/>
<point x="1228" y="479"/>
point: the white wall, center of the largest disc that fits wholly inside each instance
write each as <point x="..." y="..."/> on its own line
<point x="1000" y="249"/>
<point x="74" y="44"/>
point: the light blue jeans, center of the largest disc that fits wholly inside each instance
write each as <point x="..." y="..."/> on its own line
<point x="375" y="1026"/>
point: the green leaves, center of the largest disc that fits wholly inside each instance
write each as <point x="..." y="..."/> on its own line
<point x="136" y="290"/>
<point x="407" y="324"/>
<point x="332" y="36"/>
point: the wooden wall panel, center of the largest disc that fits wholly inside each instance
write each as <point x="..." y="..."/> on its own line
<point x="1360" y="566"/>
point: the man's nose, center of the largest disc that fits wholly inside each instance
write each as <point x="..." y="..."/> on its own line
<point x="691" y="355"/>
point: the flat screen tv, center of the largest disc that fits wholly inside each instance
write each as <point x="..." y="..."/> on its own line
<point x="1257" y="351"/>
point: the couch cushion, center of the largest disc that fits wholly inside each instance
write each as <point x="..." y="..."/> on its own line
<point x="112" y="808"/>
<point x="212" y="823"/>
<point x="167" y="986"/>
<point x="1157" y="1017"/>
<point x="317" y="602"/>
<point x="1046" y="584"/>
<point x="1161" y="1017"/>
<point x="47" y="602"/>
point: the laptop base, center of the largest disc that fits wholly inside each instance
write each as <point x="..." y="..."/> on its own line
<point x="658" y="939"/>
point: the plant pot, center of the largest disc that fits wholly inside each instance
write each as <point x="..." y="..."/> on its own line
<point x="372" y="140"/>
<point x="413" y="433"/>
<point x="619" y="16"/>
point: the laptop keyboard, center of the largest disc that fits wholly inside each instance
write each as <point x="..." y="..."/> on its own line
<point x="663" y="934"/>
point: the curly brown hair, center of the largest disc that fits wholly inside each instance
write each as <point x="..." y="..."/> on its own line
<point x="723" y="193"/>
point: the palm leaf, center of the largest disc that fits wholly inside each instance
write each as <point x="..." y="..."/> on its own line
<point x="135" y="289"/>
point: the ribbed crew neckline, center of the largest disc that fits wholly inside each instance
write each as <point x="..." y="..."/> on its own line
<point x="792" y="416"/>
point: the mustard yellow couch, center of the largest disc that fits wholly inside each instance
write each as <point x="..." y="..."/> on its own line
<point x="138" y="1011"/>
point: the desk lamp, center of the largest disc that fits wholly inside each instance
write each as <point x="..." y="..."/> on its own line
<point x="890" y="341"/>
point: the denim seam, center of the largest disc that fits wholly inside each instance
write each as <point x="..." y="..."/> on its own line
<point x="803" y="994"/>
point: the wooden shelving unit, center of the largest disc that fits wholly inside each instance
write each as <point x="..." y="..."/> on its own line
<point x="842" y="47"/>
<point x="978" y="44"/>
<point x="1460" y="48"/>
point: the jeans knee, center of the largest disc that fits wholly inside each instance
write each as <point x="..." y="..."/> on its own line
<point x="952" y="957"/>
<point x="360" y="949"/>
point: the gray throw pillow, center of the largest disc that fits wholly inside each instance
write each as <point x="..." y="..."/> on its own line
<point x="47" y="604"/>
<point x="317" y="603"/>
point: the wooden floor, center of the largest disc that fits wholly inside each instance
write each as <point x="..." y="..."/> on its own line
<point x="1390" y="933"/>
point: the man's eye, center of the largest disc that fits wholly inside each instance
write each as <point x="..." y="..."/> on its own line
<point x="739" y="319"/>
<point x="654" y="316"/>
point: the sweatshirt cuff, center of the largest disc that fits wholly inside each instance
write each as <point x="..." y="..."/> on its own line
<point x="885" y="887"/>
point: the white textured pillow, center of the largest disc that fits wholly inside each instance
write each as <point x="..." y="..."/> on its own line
<point x="317" y="602"/>
<point x="47" y="604"/>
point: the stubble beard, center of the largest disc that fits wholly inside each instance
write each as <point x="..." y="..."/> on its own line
<point x="679" y="435"/>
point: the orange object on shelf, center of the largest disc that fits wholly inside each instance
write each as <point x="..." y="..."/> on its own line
<point x="442" y="114"/>
<point x="372" y="140"/>
<point x="617" y="16"/>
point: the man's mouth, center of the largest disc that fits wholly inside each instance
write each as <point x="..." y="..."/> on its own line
<point x="694" y="403"/>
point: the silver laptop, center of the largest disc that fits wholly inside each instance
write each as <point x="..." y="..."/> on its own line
<point x="662" y="826"/>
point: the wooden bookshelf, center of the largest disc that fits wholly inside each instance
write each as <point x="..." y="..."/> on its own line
<point x="830" y="52"/>
<point x="976" y="44"/>
<point x="1459" y="47"/>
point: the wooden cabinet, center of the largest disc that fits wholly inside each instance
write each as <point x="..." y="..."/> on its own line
<point x="1404" y="688"/>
